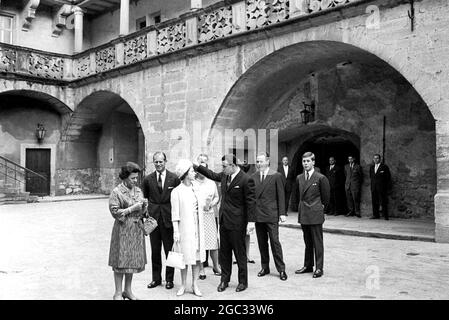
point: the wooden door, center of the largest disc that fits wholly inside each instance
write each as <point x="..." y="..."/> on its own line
<point x="38" y="160"/>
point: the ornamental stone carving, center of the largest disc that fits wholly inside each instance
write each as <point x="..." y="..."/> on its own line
<point x="105" y="59"/>
<point x="262" y="13"/>
<point x="8" y="59"/>
<point x="171" y="38"/>
<point x="320" y="5"/>
<point x="46" y="66"/>
<point x="135" y="49"/>
<point x="83" y="67"/>
<point x="216" y="24"/>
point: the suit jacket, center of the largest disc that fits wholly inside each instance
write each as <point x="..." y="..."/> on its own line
<point x="289" y="180"/>
<point x="311" y="197"/>
<point x="159" y="203"/>
<point x="354" y="177"/>
<point x="336" y="176"/>
<point x="237" y="202"/>
<point x="270" y="197"/>
<point x="381" y="179"/>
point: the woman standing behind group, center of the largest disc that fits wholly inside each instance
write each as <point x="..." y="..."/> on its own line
<point x="188" y="226"/>
<point x="208" y="194"/>
<point x="127" y="250"/>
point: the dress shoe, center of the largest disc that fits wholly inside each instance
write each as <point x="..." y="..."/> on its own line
<point x="169" y="285"/>
<point x="304" y="270"/>
<point x="205" y="264"/>
<point x="154" y="284"/>
<point x="318" y="273"/>
<point x="202" y="276"/>
<point x="283" y="275"/>
<point x="128" y="296"/>
<point x="196" y="291"/>
<point x="250" y="261"/>
<point x="374" y="217"/>
<point x="222" y="286"/>
<point x="240" y="287"/>
<point x="181" y="291"/>
<point x="263" y="272"/>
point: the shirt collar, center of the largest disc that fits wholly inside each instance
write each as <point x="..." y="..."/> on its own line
<point x="265" y="172"/>
<point x="311" y="172"/>
<point x="162" y="173"/>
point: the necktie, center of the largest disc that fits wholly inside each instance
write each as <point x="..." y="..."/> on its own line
<point x="228" y="180"/>
<point x="307" y="175"/>
<point x="262" y="177"/>
<point x="159" y="183"/>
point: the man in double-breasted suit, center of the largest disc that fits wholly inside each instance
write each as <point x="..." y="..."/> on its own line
<point x="157" y="188"/>
<point x="311" y="197"/>
<point x="236" y="210"/>
<point x="269" y="210"/>
<point x="334" y="173"/>
<point x="353" y="185"/>
<point x="288" y="178"/>
<point x="380" y="182"/>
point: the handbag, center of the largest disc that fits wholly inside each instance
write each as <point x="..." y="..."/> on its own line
<point x="149" y="225"/>
<point x="175" y="259"/>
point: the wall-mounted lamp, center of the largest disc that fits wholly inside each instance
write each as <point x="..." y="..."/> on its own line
<point x="40" y="132"/>
<point x="308" y="113"/>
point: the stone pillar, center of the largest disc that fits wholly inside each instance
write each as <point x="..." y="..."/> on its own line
<point x="124" y="17"/>
<point x="238" y="17"/>
<point x="196" y="4"/>
<point x="79" y="14"/>
<point x="442" y="196"/>
<point x="298" y="7"/>
<point x="191" y="31"/>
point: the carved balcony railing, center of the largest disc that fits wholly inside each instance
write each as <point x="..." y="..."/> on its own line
<point x="217" y="21"/>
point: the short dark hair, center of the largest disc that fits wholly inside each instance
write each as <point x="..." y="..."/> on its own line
<point x="127" y="169"/>
<point x="230" y="158"/>
<point x="309" y="154"/>
<point x="158" y="153"/>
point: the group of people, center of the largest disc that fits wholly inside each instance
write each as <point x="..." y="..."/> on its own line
<point x="194" y="217"/>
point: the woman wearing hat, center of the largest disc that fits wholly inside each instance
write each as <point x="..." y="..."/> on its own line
<point x="188" y="227"/>
<point x="127" y="253"/>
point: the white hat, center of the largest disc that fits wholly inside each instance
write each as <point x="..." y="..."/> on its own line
<point x="182" y="167"/>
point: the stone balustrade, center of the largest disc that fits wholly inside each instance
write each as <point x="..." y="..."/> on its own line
<point x="202" y="26"/>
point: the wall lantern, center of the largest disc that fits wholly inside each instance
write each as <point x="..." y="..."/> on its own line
<point x="308" y="113"/>
<point x="40" y="132"/>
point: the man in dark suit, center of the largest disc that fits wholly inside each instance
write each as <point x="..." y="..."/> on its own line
<point x="157" y="188"/>
<point x="380" y="176"/>
<point x="336" y="177"/>
<point x="269" y="210"/>
<point x="288" y="178"/>
<point x="236" y="210"/>
<point x="353" y="185"/>
<point x="311" y="197"/>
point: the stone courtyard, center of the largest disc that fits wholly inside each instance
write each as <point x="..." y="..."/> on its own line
<point x="59" y="251"/>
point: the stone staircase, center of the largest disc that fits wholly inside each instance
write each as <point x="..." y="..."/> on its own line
<point x="11" y="194"/>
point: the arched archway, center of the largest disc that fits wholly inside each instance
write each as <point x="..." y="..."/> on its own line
<point x="352" y="90"/>
<point x="101" y="136"/>
<point x="20" y="113"/>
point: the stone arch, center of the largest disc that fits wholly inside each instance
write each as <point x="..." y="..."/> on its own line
<point x="276" y="82"/>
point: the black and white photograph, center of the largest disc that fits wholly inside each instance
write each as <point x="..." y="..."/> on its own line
<point x="224" y="154"/>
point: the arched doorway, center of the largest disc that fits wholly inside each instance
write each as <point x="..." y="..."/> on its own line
<point x="101" y="136"/>
<point x="353" y="91"/>
<point x="21" y="111"/>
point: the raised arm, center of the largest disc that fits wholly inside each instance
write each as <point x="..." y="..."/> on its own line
<point x="208" y="173"/>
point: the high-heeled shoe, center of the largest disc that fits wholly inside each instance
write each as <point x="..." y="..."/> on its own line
<point x="117" y="297"/>
<point x="181" y="291"/>
<point x="125" y="296"/>
<point x="197" y="292"/>
<point x="216" y="272"/>
<point x="202" y="276"/>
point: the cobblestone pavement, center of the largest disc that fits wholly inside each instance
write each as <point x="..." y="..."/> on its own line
<point x="59" y="250"/>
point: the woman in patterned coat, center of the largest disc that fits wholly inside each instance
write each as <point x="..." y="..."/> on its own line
<point x="127" y="253"/>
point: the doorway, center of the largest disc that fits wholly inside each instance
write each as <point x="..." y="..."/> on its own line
<point x="38" y="160"/>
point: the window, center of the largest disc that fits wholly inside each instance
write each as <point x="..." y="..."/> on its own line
<point x="155" y="18"/>
<point x="141" y="23"/>
<point x="6" y="29"/>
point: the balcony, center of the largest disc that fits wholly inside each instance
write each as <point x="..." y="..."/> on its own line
<point x="221" y="20"/>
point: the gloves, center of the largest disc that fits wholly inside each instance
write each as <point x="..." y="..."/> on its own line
<point x="283" y="218"/>
<point x="250" y="227"/>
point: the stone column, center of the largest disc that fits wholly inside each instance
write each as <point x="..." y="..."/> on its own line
<point x="79" y="14"/>
<point x="124" y="17"/>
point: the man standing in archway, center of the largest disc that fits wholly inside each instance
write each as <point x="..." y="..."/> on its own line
<point x="288" y="177"/>
<point x="336" y="177"/>
<point x="353" y="185"/>
<point x="311" y="197"/>
<point x="380" y="182"/>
